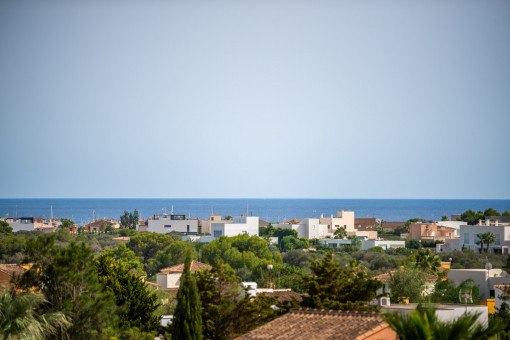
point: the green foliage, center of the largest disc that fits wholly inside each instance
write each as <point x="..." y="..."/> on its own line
<point x="129" y="220"/>
<point x="502" y="315"/>
<point x="67" y="223"/>
<point x="5" y="228"/>
<point x="407" y="283"/>
<point x="444" y="218"/>
<point x="380" y="261"/>
<point x="146" y="245"/>
<point x="266" y="231"/>
<point x="355" y="241"/>
<point x="174" y="253"/>
<point x="506" y="213"/>
<point x="491" y="212"/>
<point x="128" y="232"/>
<point x="297" y="258"/>
<point x="413" y="243"/>
<point x="426" y="260"/>
<point x="446" y="291"/>
<point x="468" y="259"/>
<point x="340" y="233"/>
<point x="20" y="318"/>
<point x="126" y="255"/>
<point x="227" y="310"/>
<point x="67" y="278"/>
<point x="292" y="242"/>
<point x="248" y="255"/>
<point x="472" y="217"/>
<point x="137" y="304"/>
<point x="423" y="324"/>
<point x="283" y="232"/>
<point x="333" y="287"/>
<point x="187" y="322"/>
<point x="10" y="249"/>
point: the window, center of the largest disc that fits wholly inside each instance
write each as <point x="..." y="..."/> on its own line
<point x="187" y="228"/>
<point x="168" y="226"/>
<point x="466" y="238"/>
<point x="217" y="233"/>
<point x="498" y="239"/>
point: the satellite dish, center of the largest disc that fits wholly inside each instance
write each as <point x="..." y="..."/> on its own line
<point x="488" y="266"/>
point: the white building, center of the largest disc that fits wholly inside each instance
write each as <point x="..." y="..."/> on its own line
<point x="485" y="279"/>
<point x="366" y="244"/>
<point x="240" y="225"/>
<point x="452" y="224"/>
<point x="501" y="295"/>
<point x="170" y="278"/>
<point x="307" y="228"/>
<point x="468" y="238"/>
<point x="168" y="223"/>
<point x="444" y="312"/>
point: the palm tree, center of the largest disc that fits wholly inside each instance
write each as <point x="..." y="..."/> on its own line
<point x="481" y="238"/>
<point x="489" y="238"/>
<point x="20" y="320"/>
<point x="423" y="324"/>
<point x="427" y="260"/>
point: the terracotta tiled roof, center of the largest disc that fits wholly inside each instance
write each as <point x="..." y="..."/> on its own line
<point x="392" y="225"/>
<point x="179" y="268"/>
<point x="294" y="221"/>
<point x="11" y="269"/>
<point x="386" y="277"/>
<point x="284" y="295"/>
<point x="321" y="324"/>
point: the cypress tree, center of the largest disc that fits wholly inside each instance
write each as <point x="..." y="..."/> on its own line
<point x="187" y="322"/>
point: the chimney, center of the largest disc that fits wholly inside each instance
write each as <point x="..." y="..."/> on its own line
<point x="496" y="223"/>
<point x="487" y="222"/>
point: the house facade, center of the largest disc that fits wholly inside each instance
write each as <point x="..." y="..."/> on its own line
<point x="167" y="223"/>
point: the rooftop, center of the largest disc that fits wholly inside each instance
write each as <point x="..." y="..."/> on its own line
<point x="320" y="324"/>
<point x="179" y="268"/>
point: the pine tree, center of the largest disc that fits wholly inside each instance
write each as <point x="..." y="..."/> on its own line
<point x="187" y="322"/>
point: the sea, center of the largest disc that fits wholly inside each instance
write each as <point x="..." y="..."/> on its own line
<point x="273" y="210"/>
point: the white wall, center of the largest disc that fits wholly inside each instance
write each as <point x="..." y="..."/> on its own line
<point x="503" y="232"/>
<point x="159" y="226"/>
<point x="452" y="224"/>
<point x="168" y="280"/>
<point x="241" y="225"/>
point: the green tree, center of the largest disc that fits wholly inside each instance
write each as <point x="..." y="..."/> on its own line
<point x="446" y="291"/>
<point x="227" y="309"/>
<point x="173" y="254"/>
<point x="407" y="283"/>
<point x="427" y="260"/>
<point x="481" y="240"/>
<point x="423" y="324"/>
<point x="282" y="232"/>
<point x="340" y="233"/>
<point x="489" y="238"/>
<point x="333" y="287"/>
<point x="68" y="280"/>
<point x="291" y="242"/>
<point x="20" y="319"/>
<point x="444" y="218"/>
<point x="129" y="220"/>
<point x="187" y="322"/>
<point x="471" y="217"/>
<point x="67" y="223"/>
<point x="413" y="243"/>
<point x="123" y="253"/>
<point x="136" y="303"/>
<point x="491" y="212"/>
<point x="5" y="228"/>
<point x="506" y="213"/>
<point x="146" y="245"/>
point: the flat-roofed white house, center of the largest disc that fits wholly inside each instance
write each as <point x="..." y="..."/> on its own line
<point x="206" y="223"/>
<point x="307" y="228"/>
<point x="167" y="223"/>
<point x="170" y="278"/>
<point x="468" y="238"/>
<point x="240" y="225"/>
<point x="485" y="279"/>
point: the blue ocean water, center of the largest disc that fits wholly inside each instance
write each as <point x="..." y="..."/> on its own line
<point x="81" y="210"/>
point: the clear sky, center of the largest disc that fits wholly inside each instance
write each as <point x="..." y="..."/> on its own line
<point x="255" y="99"/>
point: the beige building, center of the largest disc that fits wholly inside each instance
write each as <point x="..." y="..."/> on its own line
<point x="430" y="232"/>
<point x="206" y="224"/>
<point x="170" y="278"/>
<point x="344" y="219"/>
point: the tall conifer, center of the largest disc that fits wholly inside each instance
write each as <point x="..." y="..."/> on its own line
<point x="187" y="322"/>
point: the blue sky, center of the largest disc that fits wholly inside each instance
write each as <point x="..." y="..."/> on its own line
<point x="290" y="99"/>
